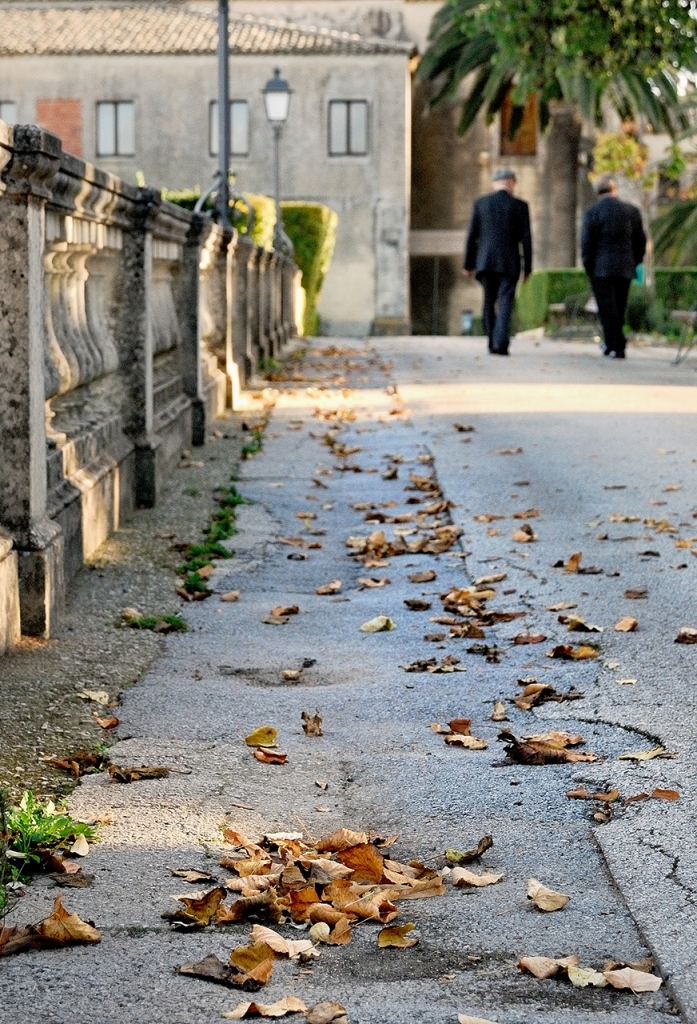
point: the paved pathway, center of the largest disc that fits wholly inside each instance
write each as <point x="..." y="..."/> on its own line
<point x="597" y="439"/>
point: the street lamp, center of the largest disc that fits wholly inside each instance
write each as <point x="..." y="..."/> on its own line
<point x="277" y="95"/>
<point x="223" y="113"/>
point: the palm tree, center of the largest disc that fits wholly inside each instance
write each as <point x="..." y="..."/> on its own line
<point x="571" y="83"/>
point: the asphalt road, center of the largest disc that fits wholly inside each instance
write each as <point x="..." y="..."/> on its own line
<point x="592" y="440"/>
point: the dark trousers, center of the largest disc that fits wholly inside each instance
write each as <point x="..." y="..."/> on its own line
<point x="611" y="294"/>
<point x="499" y="299"/>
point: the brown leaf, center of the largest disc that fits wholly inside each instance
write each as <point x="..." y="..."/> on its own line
<point x="327" y="1013"/>
<point x="231" y="596"/>
<point x="529" y="513"/>
<point x="582" y="794"/>
<point x="426" y="576"/>
<point x="106" y="723"/>
<point x="197" y="913"/>
<point x="569" y="653"/>
<point x="509" y="451"/>
<point x="636" y="594"/>
<point x="637" y="981"/>
<point x="72" y="881"/>
<point x="464" y="428"/>
<point x="245" y="1010"/>
<point x="665" y="794"/>
<point x="415" y="604"/>
<point x="525" y="535"/>
<point x="371" y="582"/>
<point x="329" y="588"/>
<point x="275" y="620"/>
<point x="573" y="562"/>
<point x="267" y="756"/>
<point x="312" y="724"/>
<point x="560" y="606"/>
<point x="544" y="966"/>
<point x="366" y="862"/>
<point x="626" y="625"/>
<point x="468" y="742"/>
<point x="536" y="753"/>
<point x="487" y="517"/>
<point x="544" y="898"/>
<point x="464" y="879"/>
<point x="556" y="738"/>
<point x="529" y="638"/>
<point x="686" y="635"/>
<point x="58" y="929"/>
<point x="464" y="857"/>
<point x="575" y="624"/>
<point x="137" y="774"/>
<point x="212" y="969"/>
<point x="193" y="876"/>
<point x="340" y="934"/>
<point x="282" y="610"/>
<point x="248" y="958"/>
<point x="396" y="936"/>
<point x="342" y="839"/>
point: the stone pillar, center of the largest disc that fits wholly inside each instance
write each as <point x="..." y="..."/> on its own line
<point x="253" y="308"/>
<point x="39" y="541"/>
<point x="135" y="341"/>
<point x="187" y="302"/>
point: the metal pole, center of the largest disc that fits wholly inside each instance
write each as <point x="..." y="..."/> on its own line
<point x="278" y="227"/>
<point x="436" y="297"/>
<point x="223" y="112"/>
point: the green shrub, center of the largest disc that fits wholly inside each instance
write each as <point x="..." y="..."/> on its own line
<point x="311" y="228"/>
<point x="186" y="197"/>
<point x="676" y="287"/>
<point x="545" y="287"/>
<point x="263" y="206"/>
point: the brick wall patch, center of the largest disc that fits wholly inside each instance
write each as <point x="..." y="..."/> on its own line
<point x="63" y="118"/>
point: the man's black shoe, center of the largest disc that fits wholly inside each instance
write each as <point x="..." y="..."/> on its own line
<point x="617" y="355"/>
<point x="499" y="351"/>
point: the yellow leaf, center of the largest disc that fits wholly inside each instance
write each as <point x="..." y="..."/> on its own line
<point x="581" y="977"/>
<point x="63" y="929"/>
<point x="643" y="755"/>
<point x="397" y="936"/>
<point x="544" y="898"/>
<point x="380" y="624"/>
<point x="627" y="624"/>
<point x="80" y="847"/>
<point x="264" y="736"/>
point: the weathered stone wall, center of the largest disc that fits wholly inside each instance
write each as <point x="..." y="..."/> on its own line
<point x="126" y="325"/>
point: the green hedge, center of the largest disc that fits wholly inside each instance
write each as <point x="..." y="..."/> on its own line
<point x="676" y="288"/>
<point x="263" y="206"/>
<point x="311" y="228"/>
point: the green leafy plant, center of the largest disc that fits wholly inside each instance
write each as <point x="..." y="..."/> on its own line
<point x="311" y="228"/>
<point x="191" y="491"/>
<point x="175" y="623"/>
<point x="33" y="827"/>
<point x="254" y="446"/>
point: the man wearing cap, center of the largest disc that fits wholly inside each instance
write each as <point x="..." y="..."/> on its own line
<point x="613" y="244"/>
<point x="500" y="226"/>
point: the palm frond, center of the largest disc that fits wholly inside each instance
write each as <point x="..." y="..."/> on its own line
<point x="675" y="233"/>
<point x="474" y="102"/>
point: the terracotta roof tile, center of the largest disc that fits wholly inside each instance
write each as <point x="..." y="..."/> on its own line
<point x="38" y="28"/>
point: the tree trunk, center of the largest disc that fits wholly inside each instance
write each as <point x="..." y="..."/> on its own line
<point x="563" y="149"/>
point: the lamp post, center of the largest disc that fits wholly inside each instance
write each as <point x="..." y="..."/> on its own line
<point x="277" y="95"/>
<point x="223" y="113"/>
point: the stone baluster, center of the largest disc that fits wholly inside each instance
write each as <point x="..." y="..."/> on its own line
<point x="23" y="484"/>
<point x="187" y="300"/>
<point x="241" y="347"/>
<point x="253" y="327"/>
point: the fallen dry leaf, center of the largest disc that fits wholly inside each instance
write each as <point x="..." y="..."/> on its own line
<point x="231" y="596"/>
<point x="509" y="451"/>
<point x="416" y="604"/>
<point x="686" y="635"/>
<point x="626" y="625"/>
<point x="575" y="624"/>
<point x="312" y="724"/>
<point x="529" y="638"/>
<point x="329" y="588"/>
<point x="284" y="947"/>
<point x="573" y="562"/>
<point x="292" y="674"/>
<point x="487" y="517"/>
<point x="545" y="967"/>
<point x="371" y="582"/>
<point x="464" y="1018"/>
<point x="365" y="861"/>
<point x="282" y="610"/>
<point x="643" y="755"/>
<point x="342" y="839"/>
<point x="525" y="535"/>
<point x="529" y="513"/>
<point x="582" y="977"/>
<point x="264" y="736"/>
<point x="380" y="624"/>
<point x="556" y="738"/>
<point x="464" y="428"/>
<point x="80" y="847"/>
<point x="193" y="876"/>
<point x="464" y="857"/>
<point x="637" y="981"/>
<point x="98" y="696"/>
<point x="464" y="879"/>
<point x="327" y="1013"/>
<point x="245" y="1010"/>
<point x="560" y="606"/>
<point x="499" y="712"/>
<point x="495" y="578"/>
<point x="213" y="969"/>
<point x="138" y="773"/>
<point x="582" y="794"/>
<point x="267" y="756"/>
<point x="544" y="898"/>
<point x="569" y="653"/>
<point x="396" y="936"/>
<point x="468" y="742"/>
<point x="58" y="929"/>
<point x="665" y="794"/>
<point x="105" y="723"/>
<point x="539" y="693"/>
<point x="636" y="594"/>
<point x="533" y="752"/>
<point x="196" y="912"/>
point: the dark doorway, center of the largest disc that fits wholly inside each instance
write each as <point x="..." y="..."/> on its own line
<point x="432" y="280"/>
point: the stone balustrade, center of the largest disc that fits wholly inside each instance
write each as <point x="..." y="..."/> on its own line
<point x="127" y="324"/>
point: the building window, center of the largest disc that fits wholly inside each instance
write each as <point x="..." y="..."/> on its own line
<point x="524" y="142"/>
<point x="8" y="111"/>
<point x="348" y="127"/>
<point x="239" y="128"/>
<point x="116" y="129"/>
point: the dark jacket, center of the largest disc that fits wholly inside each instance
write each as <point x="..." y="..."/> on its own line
<point x="613" y="242"/>
<point x="500" y="225"/>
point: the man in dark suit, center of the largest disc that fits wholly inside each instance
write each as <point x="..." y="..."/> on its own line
<point x="500" y="227"/>
<point x="613" y="244"/>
